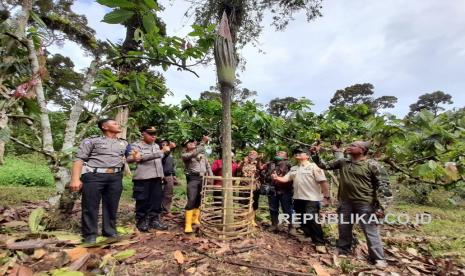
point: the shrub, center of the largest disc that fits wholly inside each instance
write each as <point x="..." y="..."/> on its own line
<point x="17" y="171"/>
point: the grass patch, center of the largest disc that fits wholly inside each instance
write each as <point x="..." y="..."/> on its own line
<point x="447" y="226"/>
<point x="29" y="173"/>
<point x="15" y="195"/>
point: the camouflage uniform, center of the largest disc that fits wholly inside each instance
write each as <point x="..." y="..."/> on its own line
<point x="363" y="189"/>
<point x="251" y="170"/>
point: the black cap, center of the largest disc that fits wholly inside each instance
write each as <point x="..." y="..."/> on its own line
<point x="187" y="141"/>
<point x="149" y="129"/>
<point x="301" y="150"/>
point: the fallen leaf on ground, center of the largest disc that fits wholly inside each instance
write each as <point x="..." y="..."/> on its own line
<point x="79" y="263"/>
<point x="15" y="223"/>
<point x="105" y="260"/>
<point x="125" y="242"/>
<point x="413" y="271"/>
<point x="21" y="271"/>
<point x="179" y="256"/>
<point x="124" y="254"/>
<point x="76" y="253"/>
<point x="39" y="253"/>
<point x="191" y="270"/>
<point x="336" y="261"/>
<point x="224" y="248"/>
<point x="320" y="271"/>
<point x="412" y="251"/>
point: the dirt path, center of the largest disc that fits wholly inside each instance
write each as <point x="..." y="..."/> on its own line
<point x="173" y="253"/>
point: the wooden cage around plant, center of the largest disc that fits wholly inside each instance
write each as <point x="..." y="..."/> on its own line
<point x="214" y="222"/>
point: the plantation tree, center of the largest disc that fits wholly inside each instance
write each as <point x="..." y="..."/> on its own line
<point x="358" y="94"/>
<point x="431" y="102"/>
<point x="280" y="106"/>
<point x="239" y="94"/>
<point x="243" y="19"/>
<point x="49" y="23"/>
<point x="146" y="43"/>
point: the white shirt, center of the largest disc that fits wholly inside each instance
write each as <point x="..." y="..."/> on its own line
<point x="306" y="180"/>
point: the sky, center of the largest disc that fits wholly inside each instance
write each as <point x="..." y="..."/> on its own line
<point x="404" y="48"/>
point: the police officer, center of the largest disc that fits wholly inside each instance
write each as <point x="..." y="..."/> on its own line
<point x="196" y="166"/>
<point x="169" y="170"/>
<point x="100" y="159"/>
<point x="148" y="179"/>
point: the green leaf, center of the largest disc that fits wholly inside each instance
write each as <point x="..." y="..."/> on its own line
<point x="124" y="254"/>
<point x="116" y="3"/>
<point x="117" y="16"/>
<point x="438" y="146"/>
<point x="151" y="4"/>
<point x="150" y="26"/>
<point x="138" y="35"/>
<point x="432" y="165"/>
<point x="34" y="220"/>
<point x="111" y="99"/>
<point x="38" y="20"/>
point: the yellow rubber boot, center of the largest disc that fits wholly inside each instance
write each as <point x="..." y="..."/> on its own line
<point x="188" y="227"/>
<point x="254" y="224"/>
<point x="196" y="216"/>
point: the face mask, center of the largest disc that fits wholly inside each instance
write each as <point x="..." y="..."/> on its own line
<point x="208" y="150"/>
<point x="278" y="158"/>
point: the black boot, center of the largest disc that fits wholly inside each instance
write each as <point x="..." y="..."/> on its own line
<point x="143" y="224"/>
<point x="154" y="223"/>
<point x="274" y="223"/>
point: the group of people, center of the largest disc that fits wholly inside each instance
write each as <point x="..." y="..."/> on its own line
<point x="298" y="190"/>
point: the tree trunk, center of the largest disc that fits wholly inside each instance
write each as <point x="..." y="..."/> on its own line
<point x="76" y="111"/>
<point x="226" y="91"/>
<point x="47" y="139"/>
<point x="122" y="118"/>
<point x="3" y="125"/>
<point x="19" y="25"/>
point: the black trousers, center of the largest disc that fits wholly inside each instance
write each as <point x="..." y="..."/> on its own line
<point x="194" y="188"/>
<point x="310" y="227"/>
<point x="284" y="199"/>
<point x="105" y="187"/>
<point x="148" y="194"/>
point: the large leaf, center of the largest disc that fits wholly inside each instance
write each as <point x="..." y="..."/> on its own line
<point x="150" y="26"/>
<point x="117" y="16"/>
<point x="116" y="3"/>
<point x="124" y="254"/>
<point x="35" y="218"/>
<point x="151" y="4"/>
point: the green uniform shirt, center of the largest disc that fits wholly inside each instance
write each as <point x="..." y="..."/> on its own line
<point x="361" y="181"/>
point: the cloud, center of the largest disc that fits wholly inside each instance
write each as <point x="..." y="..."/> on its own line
<point x="404" y="48"/>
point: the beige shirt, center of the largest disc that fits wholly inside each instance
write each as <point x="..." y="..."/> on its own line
<point x="102" y="152"/>
<point x="306" y="181"/>
<point x="150" y="166"/>
<point x="196" y="162"/>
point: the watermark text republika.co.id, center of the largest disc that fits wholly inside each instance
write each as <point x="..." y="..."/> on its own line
<point x="389" y="218"/>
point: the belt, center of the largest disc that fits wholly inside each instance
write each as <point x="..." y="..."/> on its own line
<point x="195" y="174"/>
<point x="106" y="170"/>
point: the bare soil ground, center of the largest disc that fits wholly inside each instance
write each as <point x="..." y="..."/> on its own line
<point x="174" y="253"/>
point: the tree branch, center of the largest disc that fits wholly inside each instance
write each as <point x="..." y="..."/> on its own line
<point x="180" y="66"/>
<point x="16" y="38"/>
<point x="17" y="141"/>
<point x="291" y="139"/>
<point x="397" y="168"/>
